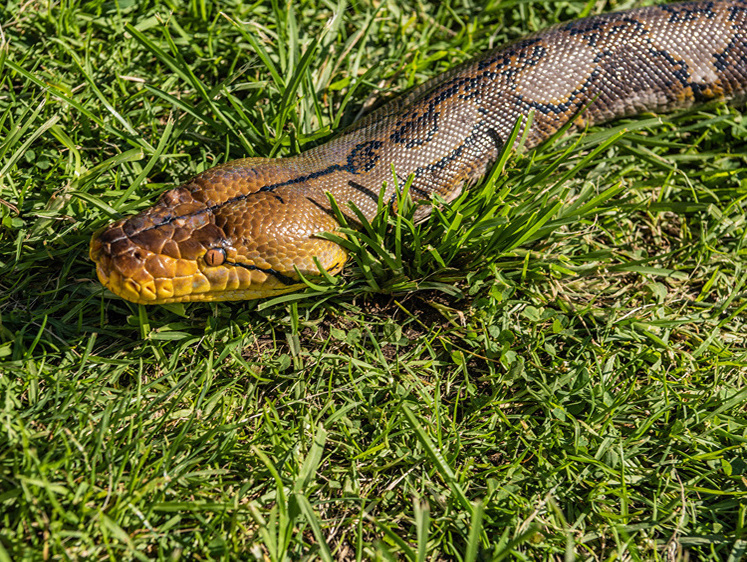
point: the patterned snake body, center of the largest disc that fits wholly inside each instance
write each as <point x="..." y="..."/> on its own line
<point x="240" y="230"/>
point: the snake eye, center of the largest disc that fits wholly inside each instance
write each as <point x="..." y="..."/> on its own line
<point x="215" y="256"/>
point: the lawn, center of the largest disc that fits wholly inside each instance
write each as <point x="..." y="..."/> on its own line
<point x="551" y="367"/>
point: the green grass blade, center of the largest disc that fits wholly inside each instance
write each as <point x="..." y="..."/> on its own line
<point x="316" y="528"/>
<point x="438" y="460"/>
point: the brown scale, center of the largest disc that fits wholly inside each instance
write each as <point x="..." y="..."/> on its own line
<point x="242" y="230"/>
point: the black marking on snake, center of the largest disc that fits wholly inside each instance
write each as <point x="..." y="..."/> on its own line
<point x="575" y="99"/>
<point x="511" y="63"/>
<point x="681" y="72"/>
<point x="298" y="179"/>
<point x="217" y="206"/>
<point x="526" y="53"/>
<point x="591" y="30"/>
<point x="321" y="207"/>
<point x="735" y="11"/>
<point x="599" y="57"/>
<point x="335" y="265"/>
<point x="496" y="138"/>
<point x="465" y="88"/>
<point x="503" y="58"/>
<point x="449" y="158"/>
<point x="409" y="130"/>
<point x="414" y="188"/>
<point x="687" y="12"/>
<point x="722" y="61"/>
<point x="284" y="279"/>
<point x="624" y="24"/>
<point x="472" y="88"/>
<point x="603" y="27"/>
<point x="364" y="190"/>
<point x="367" y="163"/>
<point x="168" y="219"/>
<point x="364" y="156"/>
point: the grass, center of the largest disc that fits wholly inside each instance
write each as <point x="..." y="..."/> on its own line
<point x="551" y="367"/>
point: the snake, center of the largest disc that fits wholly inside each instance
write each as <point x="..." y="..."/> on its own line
<point x="251" y="228"/>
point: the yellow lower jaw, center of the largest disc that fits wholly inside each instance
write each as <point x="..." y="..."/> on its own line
<point x="165" y="291"/>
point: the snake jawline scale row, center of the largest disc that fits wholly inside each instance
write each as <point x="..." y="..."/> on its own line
<point x="240" y="230"/>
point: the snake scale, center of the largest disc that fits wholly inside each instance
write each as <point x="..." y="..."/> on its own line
<point x="242" y="229"/>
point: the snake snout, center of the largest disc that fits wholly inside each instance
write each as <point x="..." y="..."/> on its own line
<point x="157" y="256"/>
<point x="139" y="268"/>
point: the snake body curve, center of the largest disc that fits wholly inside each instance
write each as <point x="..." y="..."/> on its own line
<point x="240" y="230"/>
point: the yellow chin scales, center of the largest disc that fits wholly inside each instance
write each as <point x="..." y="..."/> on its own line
<point x="211" y="284"/>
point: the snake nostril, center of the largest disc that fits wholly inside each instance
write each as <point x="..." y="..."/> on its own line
<point x="215" y="256"/>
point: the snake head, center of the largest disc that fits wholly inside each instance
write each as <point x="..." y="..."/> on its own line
<point x="186" y="249"/>
<point x="158" y="256"/>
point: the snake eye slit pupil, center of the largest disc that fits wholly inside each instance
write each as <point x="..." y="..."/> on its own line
<point x="215" y="256"/>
